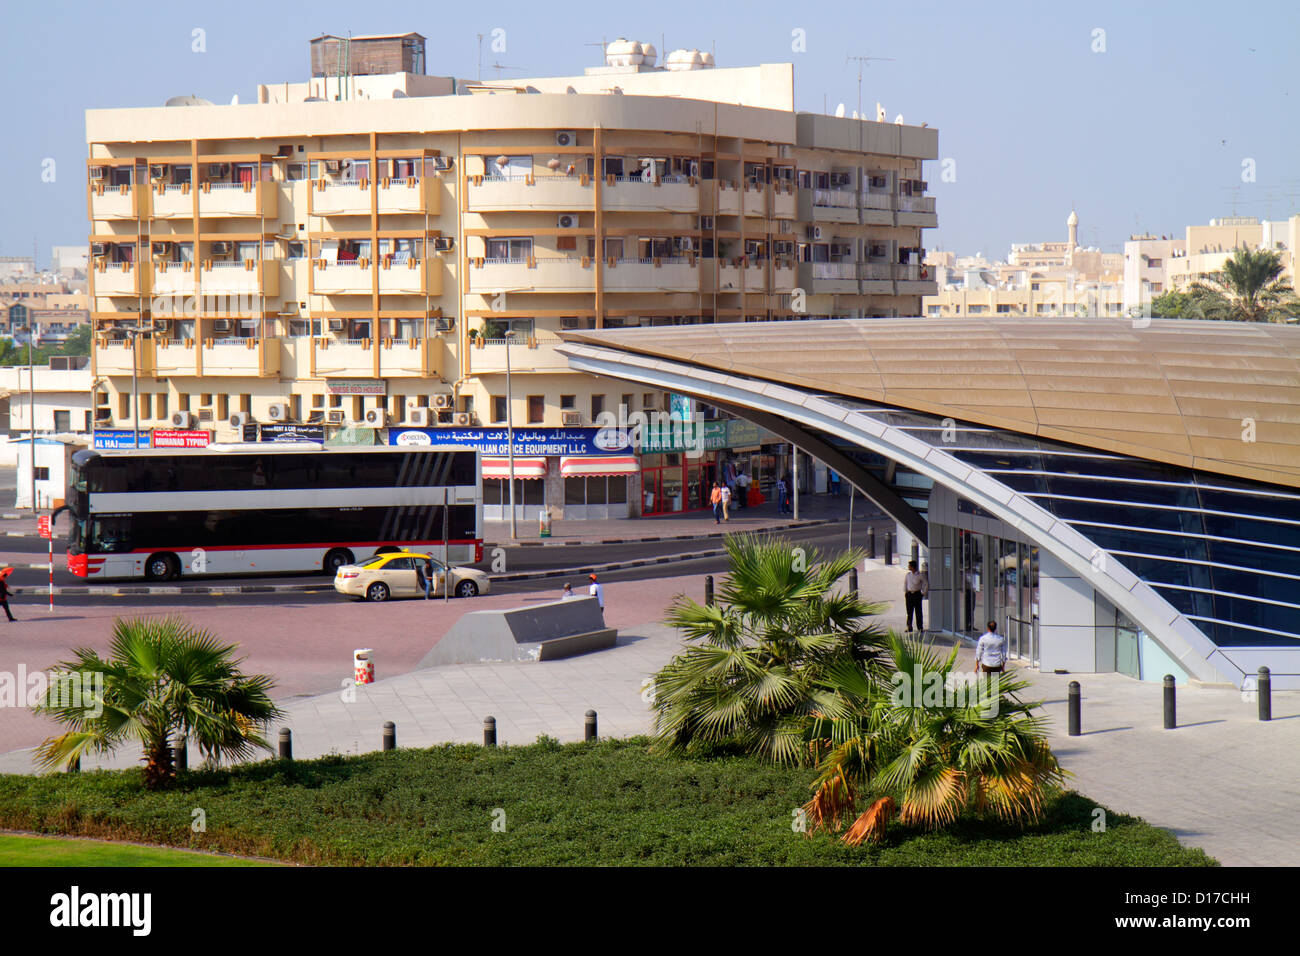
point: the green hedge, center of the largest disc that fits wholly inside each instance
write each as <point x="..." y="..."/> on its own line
<point x="607" y="803"/>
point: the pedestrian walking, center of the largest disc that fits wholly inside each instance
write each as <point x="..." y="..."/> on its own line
<point x="715" y="500"/>
<point x="567" y="592"/>
<point x="781" y="502"/>
<point x="742" y="490"/>
<point x="5" y="592"/>
<point x="598" y="593"/>
<point x="726" y="503"/>
<point x="916" y="588"/>
<point x="990" y="651"/>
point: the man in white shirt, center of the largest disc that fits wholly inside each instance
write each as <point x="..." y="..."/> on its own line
<point x="598" y="593"/>
<point x="726" y="502"/>
<point x="916" y="587"/>
<point x="991" y="651"/>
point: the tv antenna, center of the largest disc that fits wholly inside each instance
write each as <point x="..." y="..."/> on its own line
<point x="862" y="62"/>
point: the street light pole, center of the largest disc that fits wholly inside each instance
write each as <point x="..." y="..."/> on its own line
<point x="510" y="438"/>
<point x="135" y="392"/>
<point x="31" y="413"/>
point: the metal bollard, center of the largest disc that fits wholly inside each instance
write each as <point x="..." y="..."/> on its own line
<point x="489" y="731"/>
<point x="589" y="726"/>
<point x="853" y="582"/>
<point x="286" y="743"/>
<point x="871" y="542"/>
<point x="181" y="754"/>
<point x="1265" y="694"/>
<point x="708" y="590"/>
<point x="75" y="767"/>
<point x="916" y="553"/>
<point x="1171" y="705"/>
<point x="390" y="735"/>
<point x="889" y="547"/>
<point x="1076" y="706"/>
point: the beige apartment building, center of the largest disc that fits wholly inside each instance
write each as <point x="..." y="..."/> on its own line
<point x="353" y="250"/>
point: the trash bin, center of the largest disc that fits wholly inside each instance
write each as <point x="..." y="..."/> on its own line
<point x="363" y="665"/>
<point x="544" y="523"/>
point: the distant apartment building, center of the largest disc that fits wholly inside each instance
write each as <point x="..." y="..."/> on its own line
<point x="354" y="250"/>
<point x="13" y="268"/>
<point x="1038" y="279"/>
<point x="1147" y="261"/>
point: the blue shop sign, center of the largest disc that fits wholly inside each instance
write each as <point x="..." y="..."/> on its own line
<point x="533" y="442"/>
<point x="111" y="439"/>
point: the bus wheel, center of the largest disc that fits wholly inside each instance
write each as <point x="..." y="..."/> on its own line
<point x="377" y="592"/>
<point x="162" y="567"/>
<point x="466" y="589"/>
<point x="336" y="559"/>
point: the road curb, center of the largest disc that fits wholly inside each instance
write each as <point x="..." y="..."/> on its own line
<point x="789" y="525"/>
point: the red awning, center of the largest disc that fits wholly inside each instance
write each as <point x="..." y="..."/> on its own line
<point x="595" y="465"/>
<point x="524" y="467"/>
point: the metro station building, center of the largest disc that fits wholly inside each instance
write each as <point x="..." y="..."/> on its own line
<point x="1118" y="498"/>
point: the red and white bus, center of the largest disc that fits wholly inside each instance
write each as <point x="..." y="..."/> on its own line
<point x="164" y="514"/>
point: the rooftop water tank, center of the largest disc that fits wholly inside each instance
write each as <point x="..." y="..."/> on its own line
<point x="684" y="60"/>
<point x="624" y="53"/>
<point x="649" y="54"/>
<point x="707" y="61"/>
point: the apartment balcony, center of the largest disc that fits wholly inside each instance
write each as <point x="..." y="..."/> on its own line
<point x="410" y="197"/>
<point x="116" y="357"/>
<point x="175" y="357"/>
<point x="914" y="279"/>
<point x="172" y="202"/>
<point x="821" y="278"/>
<point x="828" y="205"/>
<point x="784" y="276"/>
<point x="784" y="203"/>
<point x="667" y="194"/>
<point x="173" y="278"/>
<point x="526" y="355"/>
<point x="409" y="358"/>
<point x="121" y="278"/>
<point x="559" y="274"/>
<point x="242" y="357"/>
<point x="410" y="277"/>
<point x="258" y="200"/>
<point x="729" y="199"/>
<point x="754" y="199"/>
<point x="339" y="199"/>
<point x="877" y="278"/>
<point x="335" y="356"/>
<point x="119" y="202"/>
<point x="917" y="211"/>
<point x="877" y="208"/>
<point x="541" y="193"/>
<point x="652" y="275"/>
<point x="246" y="277"/>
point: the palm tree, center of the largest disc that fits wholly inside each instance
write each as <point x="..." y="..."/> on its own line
<point x="926" y="759"/>
<point x="162" y="676"/>
<point x="1249" y="288"/>
<point x="754" y="664"/>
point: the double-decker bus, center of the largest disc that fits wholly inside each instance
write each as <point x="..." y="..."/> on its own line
<point x="163" y="514"/>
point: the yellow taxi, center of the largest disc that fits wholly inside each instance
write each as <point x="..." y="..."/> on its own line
<point x="393" y="575"/>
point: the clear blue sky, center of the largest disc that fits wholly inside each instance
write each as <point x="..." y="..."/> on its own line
<point x="1149" y="134"/>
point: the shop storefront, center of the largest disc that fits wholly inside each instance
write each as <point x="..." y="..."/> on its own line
<point x="679" y="463"/>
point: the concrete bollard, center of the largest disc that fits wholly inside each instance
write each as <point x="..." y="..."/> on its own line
<point x="853" y="582"/>
<point x="589" y="726"/>
<point x="1265" y="694"/>
<point x="286" y="743"/>
<point x="390" y="735"/>
<point x="1171" y="703"/>
<point x="871" y="542"/>
<point x="889" y="547"/>
<point x="181" y="754"/>
<point x="1076" y="707"/>
<point x="489" y="731"/>
<point x="708" y="590"/>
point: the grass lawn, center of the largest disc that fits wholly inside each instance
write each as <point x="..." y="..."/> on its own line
<point x="545" y="804"/>
<point x="18" y="850"/>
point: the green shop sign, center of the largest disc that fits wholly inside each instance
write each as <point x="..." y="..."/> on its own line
<point x="683" y="436"/>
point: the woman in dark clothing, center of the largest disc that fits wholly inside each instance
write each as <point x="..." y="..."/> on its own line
<point x="4" y="598"/>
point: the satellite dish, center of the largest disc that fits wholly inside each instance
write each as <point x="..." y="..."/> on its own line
<point x="531" y="89"/>
<point x="188" y="101"/>
<point x="234" y="100"/>
<point x="899" y="119"/>
<point x="569" y="89"/>
<point x="855" y="114"/>
<point x="313" y="99"/>
<point x="880" y="113"/>
<point x="839" y="110"/>
<point x="398" y="95"/>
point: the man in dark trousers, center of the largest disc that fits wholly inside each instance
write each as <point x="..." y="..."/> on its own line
<point x="916" y="587"/>
<point x="4" y="597"/>
<point x="429" y="577"/>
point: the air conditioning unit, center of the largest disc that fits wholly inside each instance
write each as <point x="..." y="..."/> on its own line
<point x="444" y="243"/>
<point x="182" y="419"/>
<point x="464" y="418"/>
<point x="96" y="172"/>
<point x="205" y="414"/>
<point x="566" y="137"/>
<point x="571" y="418"/>
<point x="566" y="220"/>
<point x="686" y="243"/>
<point x="336" y="325"/>
<point x="278" y="412"/>
<point x="158" y="171"/>
<point x="239" y="419"/>
<point x="99" y="248"/>
<point x="221" y="248"/>
<point x="376" y="417"/>
<point x="221" y="325"/>
<point x="333" y="166"/>
<point x="418" y="416"/>
<point x="162" y="325"/>
<point x="442" y="163"/>
<point x="443" y="400"/>
<point x="334" y="416"/>
<point x="444" y="324"/>
<point x="814" y="232"/>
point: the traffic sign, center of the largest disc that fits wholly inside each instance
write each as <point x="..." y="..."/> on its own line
<point x="43" y="526"/>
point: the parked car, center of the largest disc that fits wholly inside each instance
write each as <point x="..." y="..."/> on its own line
<point x="392" y="575"/>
